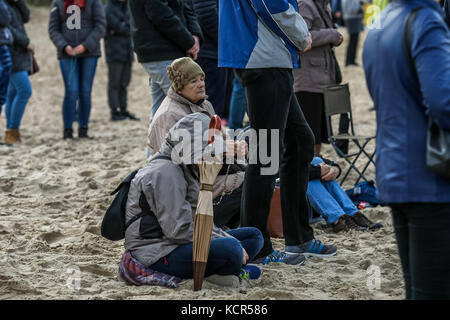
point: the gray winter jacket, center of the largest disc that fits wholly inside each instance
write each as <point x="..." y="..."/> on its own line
<point x="352" y="12"/>
<point x="92" y="29"/>
<point x="171" y="191"/>
<point x="318" y="66"/>
<point x="20" y="56"/>
<point x="5" y="19"/>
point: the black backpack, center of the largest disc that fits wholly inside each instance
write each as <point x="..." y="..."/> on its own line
<point x="113" y="224"/>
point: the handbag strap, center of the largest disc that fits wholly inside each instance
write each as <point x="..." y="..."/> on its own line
<point x="322" y="17"/>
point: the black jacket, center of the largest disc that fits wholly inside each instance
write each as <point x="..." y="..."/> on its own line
<point x="118" y="46"/>
<point x="20" y="14"/>
<point x="208" y="18"/>
<point x="163" y="29"/>
<point x="5" y="19"/>
<point x="93" y="27"/>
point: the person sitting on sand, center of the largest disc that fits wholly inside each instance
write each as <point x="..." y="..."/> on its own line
<point x="168" y="188"/>
<point x="326" y="197"/>
<point x="187" y="95"/>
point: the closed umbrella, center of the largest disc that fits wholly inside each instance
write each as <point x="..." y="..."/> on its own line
<point x="209" y="168"/>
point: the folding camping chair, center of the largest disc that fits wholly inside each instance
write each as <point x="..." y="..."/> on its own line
<point x="337" y="102"/>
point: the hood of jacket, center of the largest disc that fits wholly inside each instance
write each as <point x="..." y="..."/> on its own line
<point x="187" y="141"/>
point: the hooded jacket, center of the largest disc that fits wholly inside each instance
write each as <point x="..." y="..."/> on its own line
<point x="171" y="189"/>
<point x="5" y="20"/>
<point x="318" y="67"/>
<point x="403" y="102"/>
<point x="260" y="34"/>
<point x="118" y="44"/>
<point x="20" y="56"/>
<point x="92" y="29"/>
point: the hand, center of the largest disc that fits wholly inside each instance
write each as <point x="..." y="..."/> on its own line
<point x="31" y="48"/>
<point x="193" y="52"/>
<point x="245" y="258"/>
<point x="241" y="149"/>
<point x="309" y="45"/>
<point x="231" y="148"/>
<point x="69" y="50"/>
<point x="80" y="49"/>
<point x="331" y="175"/>
<point x="339" y="42"/>
<point x="324" y="169"/>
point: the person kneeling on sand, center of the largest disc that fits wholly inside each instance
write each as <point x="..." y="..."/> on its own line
<point x="328" y="199"/>
<point x="185" y="96"/>
<point x="168" y="188"/>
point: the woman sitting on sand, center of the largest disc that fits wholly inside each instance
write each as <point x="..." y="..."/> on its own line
<point x="168" y="188"/>
<point x="76" y="27"/>
<point x="186" y="96"/>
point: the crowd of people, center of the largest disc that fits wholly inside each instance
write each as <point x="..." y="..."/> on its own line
<point x="271" y="60"/>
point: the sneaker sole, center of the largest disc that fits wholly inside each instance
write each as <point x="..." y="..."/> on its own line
<point x="296" y="254"/>
<point x="307" y="254"/>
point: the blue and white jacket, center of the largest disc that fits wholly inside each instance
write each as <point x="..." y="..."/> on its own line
<point x="260" y="34"/>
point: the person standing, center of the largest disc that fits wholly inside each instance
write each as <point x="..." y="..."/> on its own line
<point x="119" y="57"/>
<point x="405" y="95"/>
<point x="162" y="32"/>
<point x="353" y="14"/>
<point x="261" y="40"/>
<point x="6" y="39"/>
<point x="75" y="28"/>
<point x="19" y="89"/>
<point x="318" y="67"/>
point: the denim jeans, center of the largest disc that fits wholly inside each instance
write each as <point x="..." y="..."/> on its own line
<point x="328" y="198"/>
<point x="422" y="231"/>
<point x="78" y="75"/>
<point x="19" y="92"/>
<point x="238" y="105"/>
<point x="272" y="105"/>
<point x="5" y="73"/>
<point x="159" y="81"/>
<point x="225" y="255"/>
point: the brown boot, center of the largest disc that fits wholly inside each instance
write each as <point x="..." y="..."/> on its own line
<point x="12" y="136"/>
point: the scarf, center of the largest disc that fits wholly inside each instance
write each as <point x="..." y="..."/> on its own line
<point x="79" y="3"/>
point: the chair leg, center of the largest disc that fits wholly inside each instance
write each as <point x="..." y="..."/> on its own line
<point x="352" y="163"/>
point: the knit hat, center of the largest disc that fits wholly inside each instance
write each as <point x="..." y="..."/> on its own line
<point x="181" y="71"/>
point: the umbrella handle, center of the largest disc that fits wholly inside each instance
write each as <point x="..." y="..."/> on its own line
<point x="215" y="123"/>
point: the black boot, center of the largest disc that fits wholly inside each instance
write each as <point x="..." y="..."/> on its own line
<point x="82" y="133"/>
<point x="117" y="116"/>
<point x="128" y="115"/>
<point x="68" y="133"/>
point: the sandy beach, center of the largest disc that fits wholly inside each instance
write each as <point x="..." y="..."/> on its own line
<point x="54" y="193"/>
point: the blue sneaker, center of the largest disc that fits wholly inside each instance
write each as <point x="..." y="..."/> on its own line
<point x="250" y="272"/>
<point x="313" y="248"/>
<point x="282" y="257"/>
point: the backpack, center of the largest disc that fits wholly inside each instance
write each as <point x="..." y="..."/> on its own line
<point x="113" y="224"/>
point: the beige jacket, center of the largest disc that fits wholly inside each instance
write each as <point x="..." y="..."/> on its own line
<point x="172" y="109"/>
<point x="317" y="69"/>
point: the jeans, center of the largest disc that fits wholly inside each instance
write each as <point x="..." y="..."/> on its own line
<point x="78" y="75"/>
<point x="228" y="211"/>
<point x="328" y="198"/>
<point x="119" y="77"/>
<point x="5" y="73"/>
<point x="272" y="105"/>
<point x="238" y="105"/>
<point x="225" y="255"/>
<point x="19" y="92"/>
<point x="422" y="231"/>
<point x="159" y="81"/>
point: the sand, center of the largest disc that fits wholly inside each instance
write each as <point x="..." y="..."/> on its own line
<point x="54" y="193"/>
